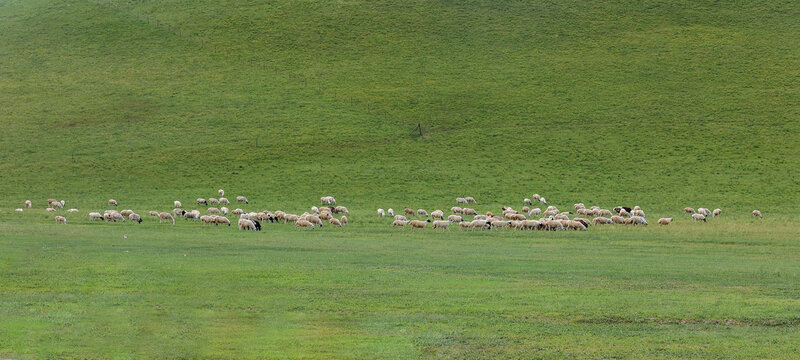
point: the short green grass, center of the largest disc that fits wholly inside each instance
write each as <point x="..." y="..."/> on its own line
<point x="663" y="104"/>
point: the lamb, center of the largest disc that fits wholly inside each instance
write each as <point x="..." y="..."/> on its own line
<point x="303" y="223"/>
<point x="221" y="192"/>
<point x="408" y="211"/>
<point x="454" y="218"/>
<point x="177" y="204"/>
<point x="335" y="222"/>
<point x="717" y="212"/>
<point x="28" y="204"/>
<point x="438" y="214"/>
<point x="213" y="210"/>
<point x="201" y="201"/>
<point x="112" y="202"/>
<point x="221" y="220"/>
<point x="72" y="211"/>
<point x="94" y="216"/>
<point x="469" y="211"/>
<point x="224" y="200"/>
<point x="664" y="221"/>
<point x="381" y="213"/>
<point x="527" y="201"/>
<point x="242" y="199"/>
<point x="224" y="210"/>
<point x="213" y="201"/>
<point x="398" y="222"/>
<point x="418" y="224"/>
<point x="390" y="212"/>
<point x="688" y="210"/>
<point x="166" y="216"/>
<point x="422" y="212"/>
<point x="441" y="224"/>
<point x="344" y="221"/>
<point x="135" y="217"/>
<point x="246" y="224"/>
<point x="61" y="219"/>
<point x="470" y="200"/>
<point x="699" y="217"/>
<point x="461" y="201"/>
<point x="757" y="214"/>
<point x="600" y="220"/>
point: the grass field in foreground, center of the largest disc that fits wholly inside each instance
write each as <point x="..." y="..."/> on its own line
<point x="726" y="289"/>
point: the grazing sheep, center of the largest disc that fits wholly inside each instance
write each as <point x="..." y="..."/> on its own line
<point x="624" y="213"/>
<point x="636" y="220"/>
<point x="527" y="201"/>
<point x="600" y="220"/>
<point x="166" y="216"/>
<point x="618" y="219"/>
<point x="201" y="201"/>
<point x="18" y="210"/>
<point x="464" y="225"/>
<point x="207" y="219"/>
<point x="335" y="222"/>
<point x="95" y="216"/>
<point x="303" y="223"/>
<point x="469" y="211"/>
<point x="287" y="218"/>
<point x="126" y="212"/>
<point x="400" y="217"/>
<point x="757" y="214"/>
<point x="699" y="217"/>
<point x="237" y="211"/>
<point x="456" y="210"/>
<point x="381" y="213"/>
<point x="704" y="211"/>
<point x="177" y="204"/>
<point x="314" y="220"/>
<point x="422" y="212"/>
<point x="341" y="209"/>
<point x="135" y="217"/>
<point x="470" y="200"/>
<point x="604" y="212"/>
<point x="480" y="224"/>
<point x="480" y="217"/>
<point x="688" y="210"/>
<point x="575" y="225"/>
<point x="246" y="224"/>
<point x="542" y="201"/>
<point x="461" y="201"/>
<point x="418" y="224"/>
<point x="664" y="221"/>
<point x="454" y="218"/>
<point x="221" y="220"/>
<point x="50" y="210"/>
<point x="534" y="211"/>
<point x="213" y="210"/>
<point x="112" y="202"/>
<point x="224" y="200"/>
<point x="638" y="212"/>
<point x="408" y="211"/>
<point x="213" y="201"/>
<point x="562" y="217"/>
<point x="536" y="197"/>
<point x="221" y="192"/>
<point x="553" y="225"/>
<point x="153" y="213"/>
<point x="578" y="206"/>
<point x="325" y="215"/>
<point x="501" y="224"/>
<point x="72" y="211"/>
<point x="61" y="219"/>
<point x="28" y="204"/>
<point x="438" y="214"/>
<point x="344" y="220"/>
<point x="440" y="224"/>
<point x="400" y="223"/>
<point x="178" y="212"/>
<point x="529" y="225"/>
<point x="328" y="200"/>
<point x="637" y="207"/>
<point x="191" y="215"/>
<point x="717" y="212"/>
<point x="242" y="199"/>
<point x="390" y="212"/>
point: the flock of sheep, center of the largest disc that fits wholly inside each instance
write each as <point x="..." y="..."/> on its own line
<point x="217" y="215"/>
<point x="551" y="218"/>
<point x="526" y="218"/>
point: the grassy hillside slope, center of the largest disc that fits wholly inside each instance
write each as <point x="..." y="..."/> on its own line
<point x="658" y="103"/>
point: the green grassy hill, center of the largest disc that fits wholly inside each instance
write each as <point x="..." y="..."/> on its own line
<point x="654" y="103"/>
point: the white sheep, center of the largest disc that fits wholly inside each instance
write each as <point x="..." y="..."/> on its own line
<point x="224" y="210"/>
<point x="422" y="212"/>
<point x="166" y="216"/>
<point x="153" y="213"/>
<point x="398" y="222"/>
<point x="201" y="201"/>
<point x="72" y="211"/>
<point x="418" y="224"/>
<point x="438" y="214"/>
<point x="757" y="214"/>
<point x="221" y="192"/>
<point x="135" y="217"/>
<point x="242" y="199"/>
<point x="542" y="201"/>
<point x="527" y="201"/>
<point x="344" y="220"/>
<point x="177" y="204"/>
<point x="61" y="219"/>
<point x="112" y="202"/>
<point x="699" y="217"/>
<point x="470" y="200"/>
<point x="213" y="210"/>
<point x="390" y="212"/>
<point x="246" y="224"/>
<point x="381" y="213"/>
<point x="213" y="201"/>
<point x="454" y="218"/>
<point x="461" y="200"/>
<point x="221" y="220"/>
<point x="717" y="212"/>
<point x="28" y="204"/>
<point x="224" y="200"/>
<point x="441" y="224"/>
<point x="303" y="223"/>
<point x="95" y="216"/>
<point x="18" y="210"/>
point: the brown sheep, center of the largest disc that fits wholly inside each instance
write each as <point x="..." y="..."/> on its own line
<point x="757" y="214"/>
<point x="688" y="210"/>
<point x="335" y="222"/>
<point x="717" y="212"/>
<point x="664" y="221"/>
<point x="419" y="224"/>
<point x="166" y="216"/>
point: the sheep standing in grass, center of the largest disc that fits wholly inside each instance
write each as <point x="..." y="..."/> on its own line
<point x="61" y="219"/>
<point x="153" y="213"/>
<point x="527" y="201"/>
<point x="303" y="223"/>
<point x="242" y="199"/>
<point x="344" y="220"/>
<point x="757" y="214"/>
<point x="618" y="219"/>
<point x="470" y="200"/>
<point x="224" y="200"/>
<point x="461" y="201"/>
<point x="221" y="220"/>
<point x="166" y="216"/>
<point x="454" y="218"/>
<point x="135" y="217"/>
<point x="438" y="214"/>
<point x="422" y="212"/>
<point x="469" y="211"/>
<point x="28" y="204"/>
<point x="390" y="212"/>
<point x="191" y="216"/>
<point x="246" y="224"/>
<point x="221" y="192"/>
<point x="177" y="204"/>
<point x="213" y="210"/>
<point x="638" y="212"/>
<point x="717" y="212"/>
<point x="399" y="222"/>
<point x="600" y="220"/>
<point x="335" y="222"/>
<point x="456" y="210"/>
<point x="664" y="221"/>
<point x="534" y="212"/>
<point x="341" y="209"/>
<point x="636" y="220"/>
<point x="688" y="210"/>
<point x="213" y="201"/>
<point x="408" y="211"/>
<point x="201" y="201"/>
<point x="95" y="216"/>
<point x="418" y="224"/>
<point x="441" y="224"/>
<point x="381" y="213"/>
<point x="704" y="211"/>
<point x="400" y="217"/>
<point x="224" y="210"/>
<point x="542" y="201"/>
<point x="112" y="202"/>
<point x="126" y="212"/>
<point x="699" y="217"/>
